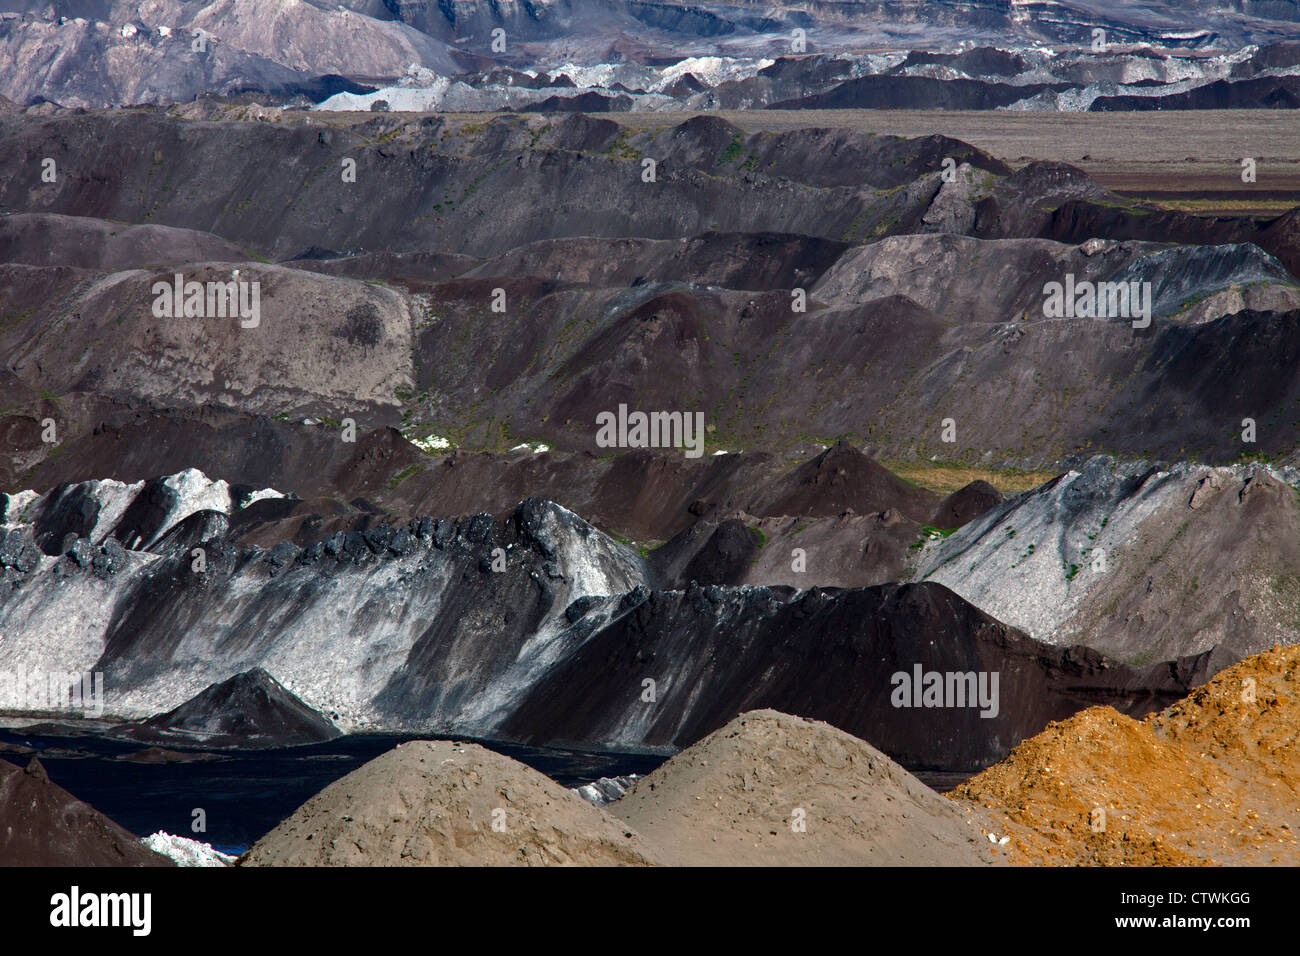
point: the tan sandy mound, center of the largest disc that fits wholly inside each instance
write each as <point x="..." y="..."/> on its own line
<point x="1210" y="780"/>
<point x="733" y="799"/>
<point x="438" y="803"/>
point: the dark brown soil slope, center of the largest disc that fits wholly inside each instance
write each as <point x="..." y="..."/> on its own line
<point x="41" y="824"/>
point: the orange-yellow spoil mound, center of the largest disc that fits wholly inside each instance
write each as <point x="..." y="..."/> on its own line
<point x="1212" y="779"/>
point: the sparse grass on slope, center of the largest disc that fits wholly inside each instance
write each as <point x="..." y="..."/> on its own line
<point x="945" y="478"/>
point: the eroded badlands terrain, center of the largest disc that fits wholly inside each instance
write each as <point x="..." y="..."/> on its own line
<point x="377" y="490"/>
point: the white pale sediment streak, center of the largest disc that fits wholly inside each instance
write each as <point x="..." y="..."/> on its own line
<point x="334" y="633"/>
<point x="431" y="443"/>
<point x="61" y="628"/>
<point x="186" y="852"/>
<point x="336" y="650"/>
<point x="261" y="494"/>
<point x="593" y="566"/>
<point x="17" y="505"/>
<point x="114" y="498"/>
<point x="194" y="492"/>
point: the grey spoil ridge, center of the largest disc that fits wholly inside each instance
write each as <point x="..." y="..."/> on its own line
<point x="1030" y="560"/>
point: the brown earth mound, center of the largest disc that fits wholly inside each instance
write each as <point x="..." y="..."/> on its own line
<point x="966" y="504"/>
<point x="846" y="551"/>
<point x="41" y="824"/>
<point x="1212" y="779"/>
<point x="42" y="239"/>
<point x="734" y="799"/>
<point x="440" y="803"/>
<point x="840" y="479"/>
